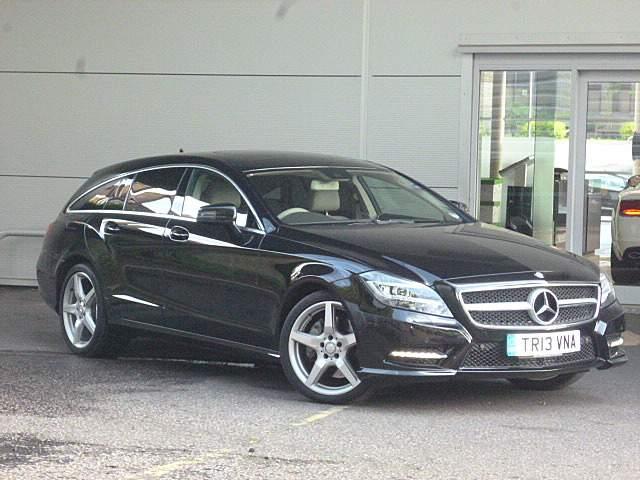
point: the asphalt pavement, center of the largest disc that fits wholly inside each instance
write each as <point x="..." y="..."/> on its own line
<point x="179" y="412"/>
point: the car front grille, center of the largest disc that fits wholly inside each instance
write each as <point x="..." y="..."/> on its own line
<point x="509" y="306"/>
<point x="493" y="355"/>
<point x="504" y="295"/>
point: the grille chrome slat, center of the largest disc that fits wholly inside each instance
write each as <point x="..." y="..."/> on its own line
<point x="507" y="305"/>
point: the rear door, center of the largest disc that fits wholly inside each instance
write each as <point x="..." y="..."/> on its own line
<point x="134" y="238"/>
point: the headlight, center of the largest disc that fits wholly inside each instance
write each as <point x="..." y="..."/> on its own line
<point x="402" y="293"/>
<point x="607" y="293"/>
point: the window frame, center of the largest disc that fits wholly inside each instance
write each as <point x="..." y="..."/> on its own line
<point x="184" y="185"/>
<point x="189" y="166"/>
<point x="95" y="189"/>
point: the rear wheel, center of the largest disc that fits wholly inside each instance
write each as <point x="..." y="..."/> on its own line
<point x="557" y="382"/>
<point x="83" y="316"/>
<point x="318" y="350"/>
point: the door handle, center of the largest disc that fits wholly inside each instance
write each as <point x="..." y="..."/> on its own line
<point x="179" y="234"/>
<point x="111" y="227"/>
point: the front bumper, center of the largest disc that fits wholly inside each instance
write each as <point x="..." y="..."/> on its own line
<point x="399" y="343"/>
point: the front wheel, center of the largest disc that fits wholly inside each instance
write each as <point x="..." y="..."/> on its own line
<point x="83" y="316"/>
<point x="554" y="383"/>
<point x="318" y="350"/>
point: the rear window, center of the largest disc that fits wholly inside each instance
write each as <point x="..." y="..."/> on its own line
<point x="153" y="190"/>
<point x="110" y="196"/>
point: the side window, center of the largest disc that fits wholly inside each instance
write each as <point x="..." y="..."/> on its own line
<point x="208" y="188"/>
<point x="110" y="196"/>
<point x="118" y="194"/>
<point x="153" y="190"/>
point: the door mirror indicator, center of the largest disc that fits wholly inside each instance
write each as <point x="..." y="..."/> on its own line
<point x="223" y="214"/>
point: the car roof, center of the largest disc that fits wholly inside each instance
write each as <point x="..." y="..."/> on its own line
<point x="240" y="160"/>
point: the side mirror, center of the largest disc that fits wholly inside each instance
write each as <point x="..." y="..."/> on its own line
<point x="461" y="205"/>
<point x="633" y="182"/>
<point x="222" y="214"/>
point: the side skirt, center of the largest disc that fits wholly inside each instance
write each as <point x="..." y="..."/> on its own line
<point x="196" y="336"/>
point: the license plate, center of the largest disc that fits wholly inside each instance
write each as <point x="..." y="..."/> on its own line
<point x="551" y="344"/>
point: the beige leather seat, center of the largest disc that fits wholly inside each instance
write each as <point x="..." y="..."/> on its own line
<point x="216" y="191"/>
<point x="325" y="196"/>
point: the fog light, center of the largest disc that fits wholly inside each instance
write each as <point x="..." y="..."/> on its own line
<point x="615" y="341"/>
<point x="418" y="354"/>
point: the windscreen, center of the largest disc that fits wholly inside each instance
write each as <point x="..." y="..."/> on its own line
<point x="341" y="195"/>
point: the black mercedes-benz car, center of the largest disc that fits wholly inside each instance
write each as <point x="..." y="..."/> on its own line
<point x="344" y="270"/>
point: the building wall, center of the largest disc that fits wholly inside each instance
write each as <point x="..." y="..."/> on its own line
<point x="86" y="83"/>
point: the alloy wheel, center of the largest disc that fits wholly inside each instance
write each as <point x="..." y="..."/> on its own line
<point x="321" y="349"/>
<point x="79" y="309"/>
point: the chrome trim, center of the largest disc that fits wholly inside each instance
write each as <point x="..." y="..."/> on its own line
<point x="419" y="355"/>
<point x="615" y="342"/>
<point x="568" y="302"/>
<point x="499" y="307"/>
<point x="158" y="215"/>
<point x="427" y="372"/>
<point x="129" y="298"/>
<point x="522" y="306"/>
<point x="308" y="167"/>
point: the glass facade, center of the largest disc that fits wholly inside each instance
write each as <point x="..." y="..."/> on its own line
<point x="523" y="148"/>
<point x="523" y="152"/>
<point x="613" y="116"/>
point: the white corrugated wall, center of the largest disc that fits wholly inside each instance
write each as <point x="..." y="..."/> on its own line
<point x="86" y="83"/>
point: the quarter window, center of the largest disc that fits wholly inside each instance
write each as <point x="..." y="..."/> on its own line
<point x="153" y="190"/>
<point x="110" y="196"/>
<point x="208" y="188"/>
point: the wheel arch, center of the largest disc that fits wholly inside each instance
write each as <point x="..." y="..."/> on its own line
<point x="299" y="290"/>
<point x="64" y="267"/>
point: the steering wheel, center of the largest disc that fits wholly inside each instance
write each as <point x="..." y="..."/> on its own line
<point x="291" y="211"/>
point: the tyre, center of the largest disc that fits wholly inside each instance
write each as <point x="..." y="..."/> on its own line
<point x="554" y="383"/>
<point x="621" y="272"/>
<point x="83" y="316"/>
<point x="318" y="350"/>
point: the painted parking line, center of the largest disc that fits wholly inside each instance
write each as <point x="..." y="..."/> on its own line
<point x="170" y="468"/>
<point x="163" y="470"/>
<point x="319" y="416"/>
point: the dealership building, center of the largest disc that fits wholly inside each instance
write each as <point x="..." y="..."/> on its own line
<point x="524" y="110"/>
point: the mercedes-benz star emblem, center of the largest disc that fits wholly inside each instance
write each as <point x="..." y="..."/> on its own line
<point x="544" y="306"/>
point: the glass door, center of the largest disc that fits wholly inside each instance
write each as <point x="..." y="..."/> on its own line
<point x="610" y="231"/>
<point x="523" y="151"/>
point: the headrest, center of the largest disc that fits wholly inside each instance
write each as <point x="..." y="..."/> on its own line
<point x="325" y="201"/>
<point x="319" y="185"/>
<point x="220" y="191"/>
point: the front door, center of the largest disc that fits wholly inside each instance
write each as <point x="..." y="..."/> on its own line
<point x="208" y="289"/>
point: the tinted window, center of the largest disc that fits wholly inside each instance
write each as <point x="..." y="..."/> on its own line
<point x="208" y="188"/>
<point x="118" y="194"/>
<point x="110" y="196"/>
<point x="153" y="190"/>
